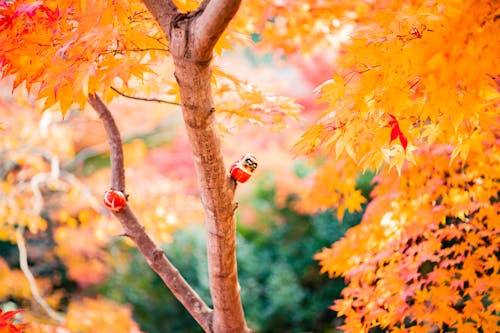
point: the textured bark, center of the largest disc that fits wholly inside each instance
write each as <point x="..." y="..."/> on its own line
<point x="217" y="195"/>
<point x="155" y="257"/>
<point x="192" y="37"/>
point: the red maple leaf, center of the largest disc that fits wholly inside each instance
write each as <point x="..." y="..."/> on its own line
<point x="396" y="132"/>
<point x="6" y="322"/>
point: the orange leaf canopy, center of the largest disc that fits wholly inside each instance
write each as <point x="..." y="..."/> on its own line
<point x="416" y="90"/>
<point x="426" y="252"/>
<point x="67" y="49"/>
<point x="412" y="73"/>
<point x="64" y="50"/>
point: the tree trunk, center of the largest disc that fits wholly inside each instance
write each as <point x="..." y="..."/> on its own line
<point x="217" y="195"/>
<point x="192" y="37"/>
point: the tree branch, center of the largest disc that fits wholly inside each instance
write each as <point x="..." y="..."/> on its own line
<point x="144" y="98"/>
<point x="133" y="229"/>
<point x="209" y="26"/>
<point x="163" y="11"/>
<point x="23" y="263"/>
<point x="217" y="195"/>
<point x="115" y="142"/>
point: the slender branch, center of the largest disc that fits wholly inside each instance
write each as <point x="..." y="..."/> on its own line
<point x="144" y="98"/>
<point x="36" y="210"/>
<point x="209" y="26"/>
<point x="23" y="262"/>
<point x="115" y="142"/>
<point x="134" y="230"/>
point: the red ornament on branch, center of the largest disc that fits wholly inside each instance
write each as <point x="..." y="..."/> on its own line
<point x="242" y="169"/>
<point x="115" y="200"/>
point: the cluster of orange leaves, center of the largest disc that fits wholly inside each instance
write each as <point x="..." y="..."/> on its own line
<point x="426" y="252"/>
<point x="415" y="91"/>
<point x="65" y="50"/>
<point x="410" y="77"/>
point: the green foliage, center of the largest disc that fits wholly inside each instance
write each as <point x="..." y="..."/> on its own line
<point x="155" y="308"/>
<point x="278" y="271"/>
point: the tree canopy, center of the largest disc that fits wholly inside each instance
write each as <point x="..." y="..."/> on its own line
<point x="412" y="95"/>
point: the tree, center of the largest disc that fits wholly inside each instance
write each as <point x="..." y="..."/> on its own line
<point x="73" y="52"/>
<point x="408" y="98"/>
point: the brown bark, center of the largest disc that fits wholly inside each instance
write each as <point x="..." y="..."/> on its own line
<point x="192" y="37"/>
<point x="217" y="195"/>
<point x="133" y="229"/>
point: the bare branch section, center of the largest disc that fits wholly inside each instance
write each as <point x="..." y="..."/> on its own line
<point x="23" y="263"/>
<point x="133" y="229"/>
<point x="115" y="142"/>
<point x="210" y="25"/>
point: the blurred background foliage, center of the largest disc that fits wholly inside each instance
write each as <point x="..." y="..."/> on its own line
<point x="276" y="270"/>
<point x="79" y="256"/>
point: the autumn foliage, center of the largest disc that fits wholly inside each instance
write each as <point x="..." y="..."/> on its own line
<point x="415" y="90"/>
<point x="426" y="252"/>
<point x="413" y="96"/>
<point x="6" y="322"/>
<point x="63" y="51"/>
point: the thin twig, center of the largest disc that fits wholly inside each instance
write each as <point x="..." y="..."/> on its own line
<point x="122" y="51"/>
<point x="145" y="99"/>
<point x="23" y="262"/>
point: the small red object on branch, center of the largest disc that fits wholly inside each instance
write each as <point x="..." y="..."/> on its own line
<point x="115" y="200"/>
<point x="242" y="169"/>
